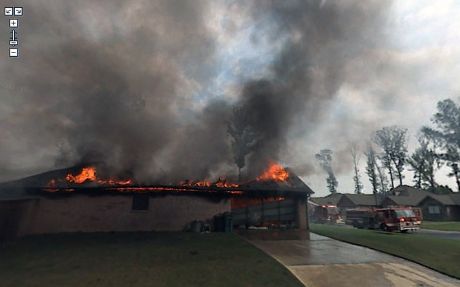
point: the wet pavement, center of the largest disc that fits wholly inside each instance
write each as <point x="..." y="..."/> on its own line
<point x="441" y="234"/>
<point x="321" y="262"/>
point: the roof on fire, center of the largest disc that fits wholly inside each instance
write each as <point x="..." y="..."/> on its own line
<point x="17" y="189"/>
<point x="21" y="189"/>
<point x="293" y="183"/>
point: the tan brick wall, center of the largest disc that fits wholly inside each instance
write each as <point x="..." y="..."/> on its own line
<point x="81" y="213"/>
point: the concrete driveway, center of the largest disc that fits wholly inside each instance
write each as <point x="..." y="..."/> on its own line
<point x="322" y="261"/>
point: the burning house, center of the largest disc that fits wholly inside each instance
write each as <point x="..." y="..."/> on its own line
<point x="78" y="200"/>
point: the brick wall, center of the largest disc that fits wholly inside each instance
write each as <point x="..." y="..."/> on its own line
<point x="12" y="217"/>
<point x="82" y="213"/>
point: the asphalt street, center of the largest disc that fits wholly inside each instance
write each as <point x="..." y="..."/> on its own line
<point x="441" y="234"/>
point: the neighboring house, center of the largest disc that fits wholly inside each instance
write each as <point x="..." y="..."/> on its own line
<point x="343" y="201"/>
<point x="331" y="199"/>
<point x="440" y="207"/>
<point x="346" y="200"/>
<point x="434" y="206"/>
<point x="349" y="201"/>
<point x="405" y="195"/>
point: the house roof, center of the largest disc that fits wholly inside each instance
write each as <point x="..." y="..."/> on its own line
<point x="331" y="199"/>
<point x="403" y="195"/>
<point x="293" y="183"/>
<point x="18" y="189"/>
<point x="334" y="199"/>
<point x="294" y="180"/>
<point x="36" y="186"/>
<point x="455" y="198"/>
<point x="361" y="199"/>
<point x="411" y="196"/>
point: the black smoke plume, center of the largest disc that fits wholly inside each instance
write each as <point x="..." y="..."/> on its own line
<point x="319" y="37"/>
<point x="119" y="83"/>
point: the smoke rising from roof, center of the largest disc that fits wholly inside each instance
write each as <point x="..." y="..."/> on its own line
<point x="319" y="39"/>
<point x="117" y="82"/>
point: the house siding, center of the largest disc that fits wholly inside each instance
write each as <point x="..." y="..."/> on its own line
<point x="448" y="204"/>
<point x="454" y="213"/>
<point x="445" y="213"/>
<point x="13" y="216"/>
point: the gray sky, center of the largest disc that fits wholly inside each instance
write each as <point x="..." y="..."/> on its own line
<point x="206" y="56"/>
<point x="396" y="83"/>
<point x="419" y="67"/>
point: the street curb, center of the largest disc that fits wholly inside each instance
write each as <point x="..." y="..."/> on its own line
<point x="440" y="231"/>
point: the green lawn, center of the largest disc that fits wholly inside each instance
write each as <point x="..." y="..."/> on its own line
<point x="139" y="259"/>
<point x="442" y="225"/>
<point x="440" y="254"/>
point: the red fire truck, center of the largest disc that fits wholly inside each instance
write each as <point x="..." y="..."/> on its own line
<point x="389" y="219"/>
<point x="326" y="214"/>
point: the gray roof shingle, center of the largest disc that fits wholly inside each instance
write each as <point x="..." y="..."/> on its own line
<point x="455" y="198"/>
<point x="402" y="195"/>
<point x="331" y="199"/>
<point x="361" y="199"/>
<point x="411" y="196"/>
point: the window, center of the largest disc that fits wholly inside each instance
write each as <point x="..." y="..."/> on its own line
<point x="140" y="202"/>
<point x="405" y="213"/>
<point x="434" y="209"/>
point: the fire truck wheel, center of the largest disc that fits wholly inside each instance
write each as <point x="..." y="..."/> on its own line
<point x="384" y="227"/>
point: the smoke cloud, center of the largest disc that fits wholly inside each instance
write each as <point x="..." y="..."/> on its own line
<point x="121" y="83"/>
<point x="319" y="39"/>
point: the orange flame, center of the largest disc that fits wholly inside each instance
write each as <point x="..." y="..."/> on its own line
<point x="89" y="174"/>
<point x="112" y="181"/>
<point x="51" y="186"/>
<point x="275" y="172"/>
<point x="221" y="182"/>
<point x="201" y="183"/>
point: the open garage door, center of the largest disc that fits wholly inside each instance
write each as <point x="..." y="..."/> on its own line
<point x="279" y="213"/>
